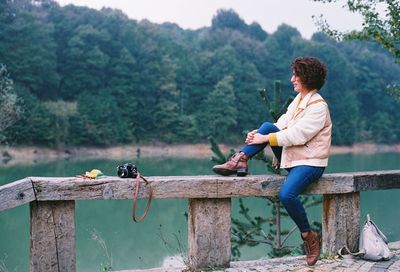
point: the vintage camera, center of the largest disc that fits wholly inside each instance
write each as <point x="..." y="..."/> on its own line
<point x="127" y="170"/>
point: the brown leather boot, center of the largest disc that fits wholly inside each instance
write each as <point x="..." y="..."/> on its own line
<point x="237" y="164"/>
<point x="312" y="245"/>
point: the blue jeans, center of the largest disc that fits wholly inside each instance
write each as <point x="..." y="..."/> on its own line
<point x="296" y="182"/>
<point x="266" y="128"/>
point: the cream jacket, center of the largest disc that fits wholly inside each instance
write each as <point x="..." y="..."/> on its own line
<point x="305" y="132"/>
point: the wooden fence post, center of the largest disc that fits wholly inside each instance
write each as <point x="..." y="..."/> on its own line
<point x="52" y="236"/>
<point x="209" y="234"/>
<point x="340" y="222"/>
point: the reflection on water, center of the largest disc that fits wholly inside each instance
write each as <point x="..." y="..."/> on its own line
<point x="106" y="234"/>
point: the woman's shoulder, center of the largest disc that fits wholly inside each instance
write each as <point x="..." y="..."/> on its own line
<point x="317" y="99"/>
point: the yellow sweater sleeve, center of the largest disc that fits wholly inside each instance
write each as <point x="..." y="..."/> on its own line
<point x="273" y="140"/>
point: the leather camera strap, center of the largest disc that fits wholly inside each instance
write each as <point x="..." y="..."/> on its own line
<point x="138" y="177"/>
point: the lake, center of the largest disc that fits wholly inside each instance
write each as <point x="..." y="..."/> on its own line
<point x="106" y="234"/>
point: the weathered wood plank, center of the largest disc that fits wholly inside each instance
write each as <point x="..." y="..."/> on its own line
<point x="16" y="193"/>
<point x="52" y="236"/>
<point x="340" y="222"/>
<point x="68" y="188"/>
<point x="209" y="233"/>
<point x="377" y="180"/>
<point x="73" y="188"/>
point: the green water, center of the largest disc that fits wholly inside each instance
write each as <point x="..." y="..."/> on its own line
<point x="105" y="231"/>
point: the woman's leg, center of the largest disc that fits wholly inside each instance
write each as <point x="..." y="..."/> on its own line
<point x="298" y="179"/>
<point x="237" y="164"/>
<point x="266" y="128"/>
<point x="296" y="182"/>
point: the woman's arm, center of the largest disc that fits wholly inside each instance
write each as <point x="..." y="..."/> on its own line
<point x="304" y="129"/>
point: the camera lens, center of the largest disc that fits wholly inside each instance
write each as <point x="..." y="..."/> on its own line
<point x="127" y="170"/>
<point x="122" y="171"/>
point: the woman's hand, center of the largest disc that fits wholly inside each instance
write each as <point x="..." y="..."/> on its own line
<point x="250" y="136"/>
<point x="257" y="138"/>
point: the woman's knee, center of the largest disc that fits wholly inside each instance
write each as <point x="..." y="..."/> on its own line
<point x="267" y="127"/>
<point x="284" y="196"/>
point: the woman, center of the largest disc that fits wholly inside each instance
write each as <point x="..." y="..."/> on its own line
<point x="300" y="140"/>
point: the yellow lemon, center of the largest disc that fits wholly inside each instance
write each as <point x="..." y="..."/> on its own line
<point x="94" y="173"/>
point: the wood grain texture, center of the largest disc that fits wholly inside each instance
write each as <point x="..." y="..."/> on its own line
<point x="52" y="236"/>
<point x="377" y="180"/>
<point x="180" y="187"/>
<point x="75" y="188"/>
<point x="209" y="233"/>
<point x="16" y="193"/>
<point x="340" y="222"/>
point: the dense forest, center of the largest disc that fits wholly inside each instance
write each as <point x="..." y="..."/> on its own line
<point x="88" y="77"/>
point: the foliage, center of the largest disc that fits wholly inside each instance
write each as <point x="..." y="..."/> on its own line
<point x="166" y="110"/>
<point x="221" y="114"/>
<point x="379" y="26"/>
<point x="230" y="19"/>
<point x="9" y="111"/>
<point x="394" y="90"/>
<point x="62" y="112"/>
<point x="177" y="247"/>
<point x="107" y="265"/>
<point x="27" y="47"/>
<point x="250" y="231"/>
<point x="218" y="157"/>
<point x="96" y="126"/>
<point x="35" y="124"/>
<point x="275" y="107"/>
<point x="144" y="82"/>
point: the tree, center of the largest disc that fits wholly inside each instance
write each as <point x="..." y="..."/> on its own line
<point x="123" y="87"/>
<point x="221" y="109"/>
<point x="223" y="62"/>
<point x="85" y="63"/>
<point x="382" y="28"/>
<point x="62" y="112"/>
<point x="247" y="81"/>
<point x="256" y="31"/>
<point x="27" y="47"/>
<point x="99" y="120"/>
<point x="154" y="80"/>
<point x="280" y="47"/>
<point x="228" y="19"/>
<point x="9" y="111"/>
<point x="35" y="126"/>
<point x="166" y="108"/>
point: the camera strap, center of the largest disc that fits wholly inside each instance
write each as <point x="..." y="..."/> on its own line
<point x="138" y="177"/>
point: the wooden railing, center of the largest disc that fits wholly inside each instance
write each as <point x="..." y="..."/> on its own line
<point x="52" y="210"/>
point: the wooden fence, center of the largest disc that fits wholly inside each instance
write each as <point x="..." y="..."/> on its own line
<point x="52" y="210"/>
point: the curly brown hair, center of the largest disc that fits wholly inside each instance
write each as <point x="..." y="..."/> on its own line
<point x="311" y="71"/>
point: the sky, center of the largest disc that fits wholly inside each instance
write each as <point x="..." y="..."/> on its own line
<point x="194" y="14"/>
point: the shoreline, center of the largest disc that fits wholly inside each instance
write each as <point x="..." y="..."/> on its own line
<point x="22" y="155"/>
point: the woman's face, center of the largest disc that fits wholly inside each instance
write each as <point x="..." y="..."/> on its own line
<point x="297" y="85"/>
